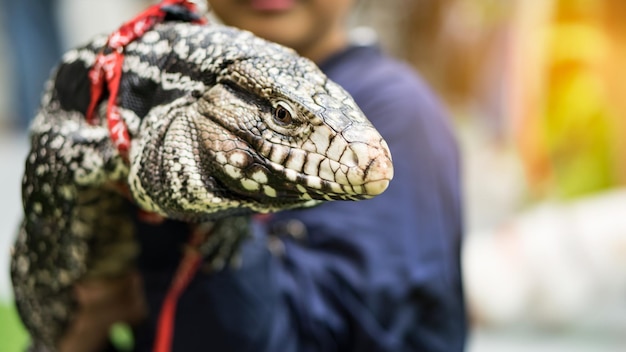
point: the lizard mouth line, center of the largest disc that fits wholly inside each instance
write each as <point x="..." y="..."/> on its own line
<point x="315" y="185"/>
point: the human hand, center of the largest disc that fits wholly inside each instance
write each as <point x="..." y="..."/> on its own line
<point x="101" y="303"/>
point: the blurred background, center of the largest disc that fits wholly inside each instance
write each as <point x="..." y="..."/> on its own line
<point x="537" y="93"/>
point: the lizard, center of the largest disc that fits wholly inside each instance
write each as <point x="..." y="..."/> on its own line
<point x="221" y="124"/>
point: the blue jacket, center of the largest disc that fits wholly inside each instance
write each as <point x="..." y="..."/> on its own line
<point x="376" y="275"/>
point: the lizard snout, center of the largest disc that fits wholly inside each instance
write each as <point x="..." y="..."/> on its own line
<point x="373" y="168"/>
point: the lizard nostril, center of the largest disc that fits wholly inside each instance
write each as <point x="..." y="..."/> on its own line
<point x="372" y="158"/>
<point x="373" y="171"/>
<point x="378" y="174"/>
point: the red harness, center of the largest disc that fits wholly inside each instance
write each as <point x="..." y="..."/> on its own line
<point x="107" y="69"/>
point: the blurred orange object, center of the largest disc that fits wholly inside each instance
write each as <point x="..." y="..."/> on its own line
<point x="567" y="120"/>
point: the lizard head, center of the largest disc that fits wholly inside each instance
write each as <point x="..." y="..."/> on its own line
<point x="272" y="133"/>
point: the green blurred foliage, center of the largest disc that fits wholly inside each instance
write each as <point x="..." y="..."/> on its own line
<point x="577" y="133"/>
<point x="13" y="337"/>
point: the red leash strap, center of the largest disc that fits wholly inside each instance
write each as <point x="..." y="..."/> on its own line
<point x="107" y="69"/>
<point x="106" y="73"/>
<point x="184" y="274"/>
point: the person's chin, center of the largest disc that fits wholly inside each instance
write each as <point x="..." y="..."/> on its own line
<point x="272" y="7"/>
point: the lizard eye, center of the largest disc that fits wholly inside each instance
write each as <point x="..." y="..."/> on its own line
<point x="283" y="114"/>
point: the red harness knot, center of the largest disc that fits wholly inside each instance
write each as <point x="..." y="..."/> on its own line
<point x="107" y="68"/>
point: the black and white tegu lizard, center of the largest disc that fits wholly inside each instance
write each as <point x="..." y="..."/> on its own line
<point x="222" y="124"/>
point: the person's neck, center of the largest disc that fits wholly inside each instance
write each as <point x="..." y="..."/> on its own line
<point x="325" y="47"/>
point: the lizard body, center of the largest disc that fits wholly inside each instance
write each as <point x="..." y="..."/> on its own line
<point x="222" y="124"/>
